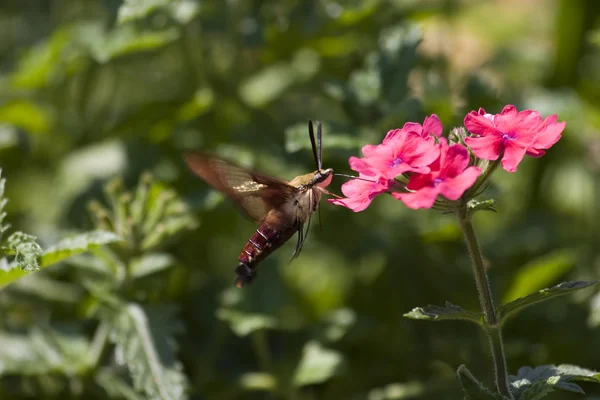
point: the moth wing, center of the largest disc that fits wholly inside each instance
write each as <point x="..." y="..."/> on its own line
<point x="256" y="193"/>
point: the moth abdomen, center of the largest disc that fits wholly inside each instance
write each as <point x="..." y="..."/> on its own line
<point x="265" y="240"/>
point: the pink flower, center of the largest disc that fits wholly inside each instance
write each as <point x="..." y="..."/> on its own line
<point x="361" y="191"/>
<point x="509" y="133"/>
<point x="399" y="153"/>
<point x="450" y="176"/>
<point x="431" y="126"/>
<point x="547" y="137"/>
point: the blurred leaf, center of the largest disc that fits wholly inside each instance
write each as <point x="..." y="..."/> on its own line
<point x="258" y="381"/>
<point x="40" y="63"/>
<point x="540" y="272"/>
<point x="200" y="104"/>
<point x="144" y="341"/>
<point x="445" y="313"/>
<point x="151" y="263"/>
<point x="397" y="56"/>
<point x="137" y="9"/>
<point x="551" y="376"/>
<point x="26" y="115"/>
<point x="127" y="40"/>
<point x="9" y="136"/>
<point x="243" y="323"/>
<point x="317" y="365"/>
<point x="115" y="386"/>
<point x="473" y="389"/>
<point x="43" y="351"/>
<point x="266" y="85"/>
<point x="506" y="310"/>
<point x="399" y="391"/>
<point x="47" y="289"/>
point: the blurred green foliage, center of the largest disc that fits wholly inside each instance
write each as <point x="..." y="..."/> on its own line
<point x="95" y="92"/>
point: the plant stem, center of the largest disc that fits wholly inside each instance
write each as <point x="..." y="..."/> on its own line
<point x="492" y="327"/>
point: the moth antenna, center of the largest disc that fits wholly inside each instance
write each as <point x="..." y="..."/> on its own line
<point x="311" y="134"/>
<point x="319" y="146"/>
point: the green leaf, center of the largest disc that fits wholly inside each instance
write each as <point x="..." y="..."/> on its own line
<point x="66" y="248"/>
<point x="26" y="115"/>
<point x="317" y="365"/>
<point x="78" y="244"/>
<point x="25" y="249"/>
<point x="258" y="381"/>
<point x="505" y="310"/>
<point x="445" y="313"/>
<point x="181" y="10"/>
<point x="151" y="263"/>
<point x="127" y="40"/>
<point x="132" y="10"/>
<point x="548" y="377"/>
<point x="42" y="62"/>
<point x="43" y="351"/>
<point x="144" y="341"/>
<point x="473" y="389"/>
<point x="265" y="86"/>
<point x="115" y="386"/>
<point x="539" y="273"/>
<point x="540" y="389"/>
<point x="243" y="323"/>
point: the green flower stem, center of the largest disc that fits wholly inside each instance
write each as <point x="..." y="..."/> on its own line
<point x="492" y="327"/>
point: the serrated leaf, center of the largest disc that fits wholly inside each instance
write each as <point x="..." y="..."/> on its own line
<point x="445" y="313"/>
<point x="243" y="323"/>
<point x="473" y="389"/>
<point x="25" y="249"/>
<point x="556" y="377"/>
<point x="317" y="365"/>
<point x="506" y="310"/>
<point x="144" y="342"/>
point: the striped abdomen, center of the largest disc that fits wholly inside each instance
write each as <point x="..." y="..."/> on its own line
<point x="269" y="236"/>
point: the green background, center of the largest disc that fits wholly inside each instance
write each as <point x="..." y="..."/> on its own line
<point x="94" y="89"/>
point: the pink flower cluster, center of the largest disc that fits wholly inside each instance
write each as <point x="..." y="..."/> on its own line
<point x="434" y="167"/>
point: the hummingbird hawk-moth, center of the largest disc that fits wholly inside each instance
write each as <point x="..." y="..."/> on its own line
<point x="281" y="208"/>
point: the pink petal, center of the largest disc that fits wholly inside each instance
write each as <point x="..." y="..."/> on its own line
<point x="361" y="166"/>
<point x="391" y="134"/>
<point x="479" y="125"/>
<point x="550" y="136"/>
<point x="423" y="198"/>
<point x="432" y="125"/>
<point x="457" y="159"/>
<point x="356" y="204"/>
<point x="513" y="155"/>
<point x="453" y="188"/>
<point x="417" y="151"/>
<point x="486" y="147"/>
<point x="419" y="181"/>
<point x="357" y="187"/>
